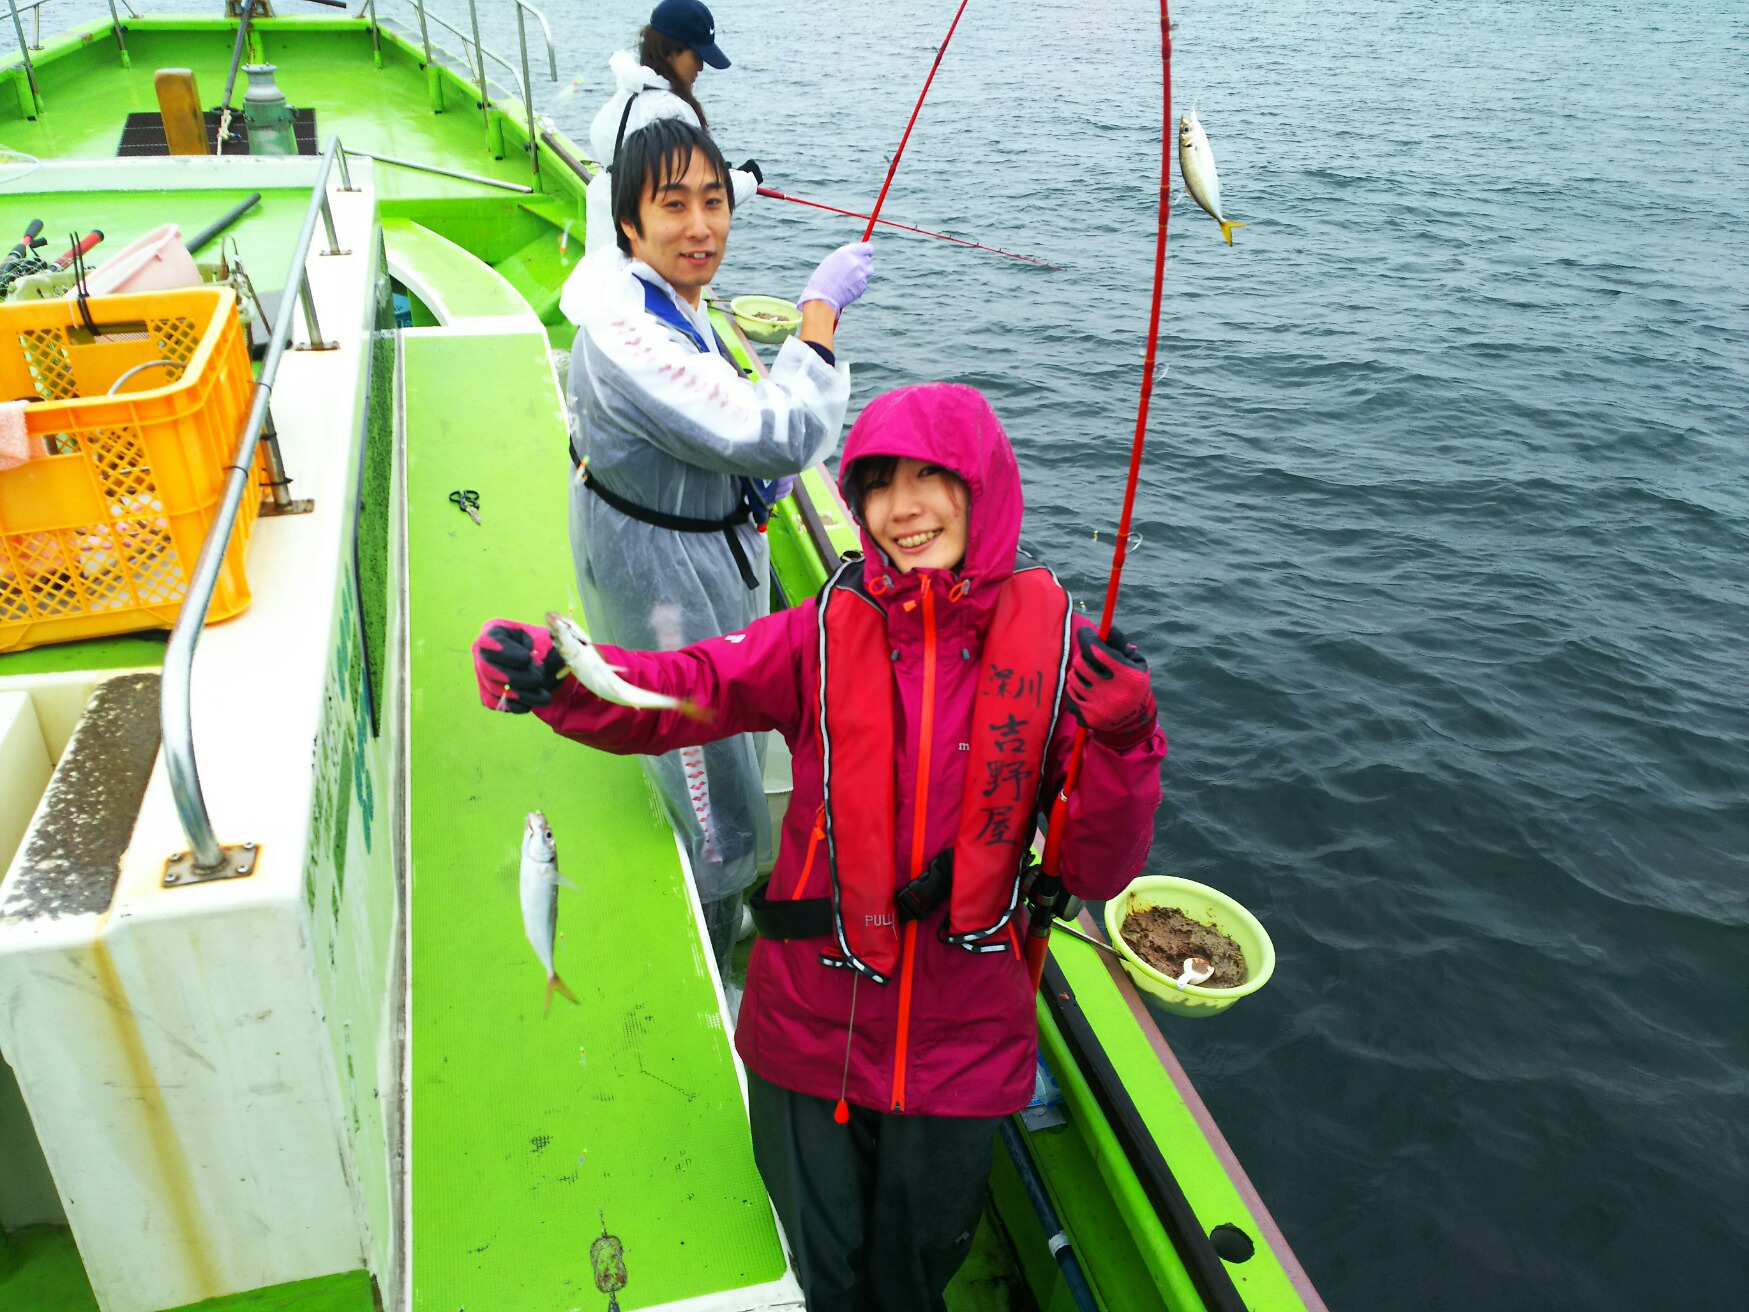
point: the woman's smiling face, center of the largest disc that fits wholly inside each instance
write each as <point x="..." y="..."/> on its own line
<point x="918" y="516"/>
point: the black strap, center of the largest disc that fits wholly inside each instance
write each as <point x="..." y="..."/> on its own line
<point x="811" y="917"/>
<point x="680" y="523"/>
<point x="620" y="139"/>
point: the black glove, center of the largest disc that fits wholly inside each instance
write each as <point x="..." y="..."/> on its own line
<point x="752" y="166"/>
<point x="528" y="682"/>
<point x="1108" y="688"/>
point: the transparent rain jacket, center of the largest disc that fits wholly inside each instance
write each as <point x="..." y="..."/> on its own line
<point x="673" y="430"/>
<point x="655" y="99"/>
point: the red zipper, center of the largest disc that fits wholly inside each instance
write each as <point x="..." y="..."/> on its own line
<point x="813" y="843"/>
<point x="902" y="1042"/>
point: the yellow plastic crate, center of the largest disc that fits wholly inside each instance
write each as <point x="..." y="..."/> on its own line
<point x="100" y="535"/>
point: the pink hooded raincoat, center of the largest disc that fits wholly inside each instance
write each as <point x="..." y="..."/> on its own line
<point x="958" y="1036"/>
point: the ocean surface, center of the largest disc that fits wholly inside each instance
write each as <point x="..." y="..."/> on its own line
<point x="1444" y="572"/>
<point x="1444" y="559"/>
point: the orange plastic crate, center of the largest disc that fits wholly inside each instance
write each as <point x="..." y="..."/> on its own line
<point x="101" y="535"/>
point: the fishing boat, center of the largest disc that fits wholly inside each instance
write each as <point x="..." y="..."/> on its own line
<point x="272" y="1036"/>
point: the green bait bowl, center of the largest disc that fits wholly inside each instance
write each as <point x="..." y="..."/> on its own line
<point x="767" y="319"/>
<point x="1207" y="906"/>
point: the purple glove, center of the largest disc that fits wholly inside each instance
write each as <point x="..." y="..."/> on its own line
<point x="783" y="487"/>
<point x="841" y="277"/>
<point x="517" y="666"/>
<point x="1108" y="689"/>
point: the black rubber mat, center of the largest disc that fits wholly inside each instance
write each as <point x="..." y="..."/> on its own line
<point x="143" y="134"/>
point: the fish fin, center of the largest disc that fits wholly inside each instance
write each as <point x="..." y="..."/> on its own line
<point x="564" y="882"/>
<point x="556" y="985"/>
<point x="1227" y="226"/>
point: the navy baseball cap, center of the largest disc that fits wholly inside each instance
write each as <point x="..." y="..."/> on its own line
<point x="691" y="22"/>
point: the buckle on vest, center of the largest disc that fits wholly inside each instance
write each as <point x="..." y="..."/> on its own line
<point x="929" y="890"/>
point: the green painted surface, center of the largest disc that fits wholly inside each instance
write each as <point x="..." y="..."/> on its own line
<point x="348" y="1292"/>
<point x="40" y="1271"/>
<point x="1262" y="1281"/>
<point x="129" y="651"/>
<point x="323" y="64"/>
<point x="527" y="1130"/>
<point x="455" y="283"/>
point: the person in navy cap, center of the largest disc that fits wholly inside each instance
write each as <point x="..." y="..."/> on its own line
<point x="654" y="82"/>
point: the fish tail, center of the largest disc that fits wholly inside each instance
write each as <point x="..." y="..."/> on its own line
<point x="1227" y="226"/>
<point x="694" y="711"/>
<point x="556" y="985"/>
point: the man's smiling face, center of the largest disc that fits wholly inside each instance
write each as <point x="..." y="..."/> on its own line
<point x="686" y="228"/>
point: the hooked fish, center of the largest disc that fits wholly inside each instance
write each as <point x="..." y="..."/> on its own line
<point x="583" y="658"/>
<point x="1196" y="164"/>
<point x="540" y="898"/>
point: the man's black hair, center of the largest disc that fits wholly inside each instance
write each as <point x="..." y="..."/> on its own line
<point x="654" y="157"/>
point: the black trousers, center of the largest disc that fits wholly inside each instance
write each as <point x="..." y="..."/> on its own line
<point x="880" y="1213"/>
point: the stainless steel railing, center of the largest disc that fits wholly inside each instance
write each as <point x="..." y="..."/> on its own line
<point x="522" y="7"/>
<point x="205" y="858"/>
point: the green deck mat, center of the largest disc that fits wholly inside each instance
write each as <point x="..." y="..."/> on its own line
<point x="528" y="1132"/>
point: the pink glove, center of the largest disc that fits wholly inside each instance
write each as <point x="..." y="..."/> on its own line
<point x="841" y="277"/>
<point x="517" y="666"/>
<point x="1108" y="689"/>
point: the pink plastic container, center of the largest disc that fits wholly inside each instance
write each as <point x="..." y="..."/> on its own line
<point x="156" y="262"/>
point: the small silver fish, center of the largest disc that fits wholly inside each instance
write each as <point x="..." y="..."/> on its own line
<point x="1196" y="165"/>
<point x="584" y="660"/>
<point x="540" y="898"/>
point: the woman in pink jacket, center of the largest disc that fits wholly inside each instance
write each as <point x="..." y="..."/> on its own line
<point x="888" y="1016"/>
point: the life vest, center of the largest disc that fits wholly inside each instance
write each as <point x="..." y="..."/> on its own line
<point x="1019" y="695"/>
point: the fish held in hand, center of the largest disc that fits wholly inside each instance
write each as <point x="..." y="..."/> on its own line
<point x="583" y="658"/>
<point x="1196" y="165"/>
<point x="540" y="898"/>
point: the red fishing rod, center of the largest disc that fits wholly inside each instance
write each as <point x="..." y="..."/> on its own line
<point x="894" y="166"/>
<point x="1046" y="885"/>
<point x="775" y="194"/>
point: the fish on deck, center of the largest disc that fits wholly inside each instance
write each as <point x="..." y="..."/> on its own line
<point x="540" y="898"/>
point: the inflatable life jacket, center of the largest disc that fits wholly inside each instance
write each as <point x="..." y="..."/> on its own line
<point x="1020" y="689"/>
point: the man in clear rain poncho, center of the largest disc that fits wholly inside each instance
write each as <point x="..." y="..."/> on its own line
<point x="679" y="458"/>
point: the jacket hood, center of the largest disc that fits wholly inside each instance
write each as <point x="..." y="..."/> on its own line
<point x="951" y="425"/>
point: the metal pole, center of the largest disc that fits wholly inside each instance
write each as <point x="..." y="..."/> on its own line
<point x="528" y="93"/>
<point x="248" y="9"/>
<point x="442" y="172"/>
<point x="328" y="223"/>
<point x="176" y="713"/>
<point x="345" y="173"/>
<point x="36" y="98"/>
<point x="121" y="44"/>
<point x="479" y="60"/>
<point x="279" y="486"/>
<point x="424" y="32"/>
<point x="376" y="36"/>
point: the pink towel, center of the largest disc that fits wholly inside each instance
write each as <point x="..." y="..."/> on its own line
<point x="17" y="445"/>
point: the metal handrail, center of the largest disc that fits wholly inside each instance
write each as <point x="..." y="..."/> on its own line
<point x="36" y="97"/>
<point x="522" y="6"/>
<point x="175" y="715"/>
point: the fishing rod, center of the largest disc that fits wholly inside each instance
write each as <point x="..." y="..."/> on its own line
<point x="894" y="166"/>
<point x="1047" y="884"/>
<point x="775" y="194"/>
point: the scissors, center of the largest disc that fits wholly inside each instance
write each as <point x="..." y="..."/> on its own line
<point x="468" y="500"/>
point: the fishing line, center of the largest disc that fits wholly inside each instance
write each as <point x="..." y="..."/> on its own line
<point x="1039" y="921"/>
<point x="893" y="167"/>
<point x="775" y="194"/>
